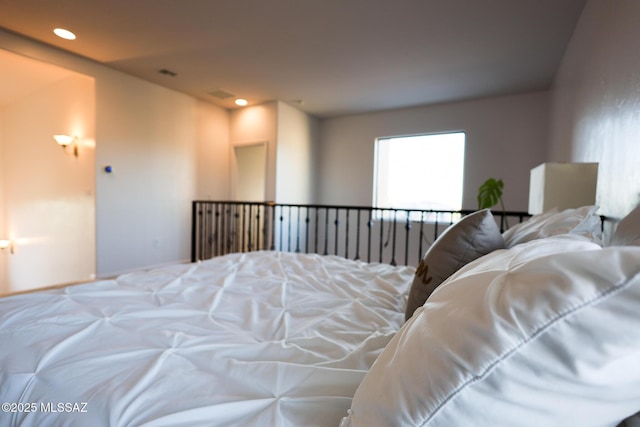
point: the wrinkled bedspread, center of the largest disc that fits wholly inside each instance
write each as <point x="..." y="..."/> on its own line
<point x="257" y="339"/>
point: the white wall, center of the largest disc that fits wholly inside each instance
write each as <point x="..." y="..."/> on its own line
<point x="295" y="169"/>
<point x="49" y="205"/>
<point x="596" y="102"/>
<point x="506" y="137"/>
<point x="4" y="278"/>
<point x="149" y="135"/>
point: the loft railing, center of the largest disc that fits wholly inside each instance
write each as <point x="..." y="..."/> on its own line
<point x="393" y="236"/>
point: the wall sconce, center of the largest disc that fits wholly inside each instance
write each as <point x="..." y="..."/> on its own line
<point x="65" y="140"/>
<point x="6" y="244"/>
<point x="562" y="186"/>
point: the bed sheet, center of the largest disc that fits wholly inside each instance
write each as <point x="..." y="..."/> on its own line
<point x="263" y="338"/>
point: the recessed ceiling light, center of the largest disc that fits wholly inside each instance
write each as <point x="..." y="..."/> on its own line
<point x="64" y="34"/>
<point x="241" y="102"/>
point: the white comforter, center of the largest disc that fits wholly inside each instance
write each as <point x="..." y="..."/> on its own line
<point x="258" y="339"/>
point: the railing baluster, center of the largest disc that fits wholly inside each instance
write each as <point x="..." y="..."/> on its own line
<point x="251" y="230"/>
<point x="316" y="233"/>
<point x="227" y="226"/>
<point x="337" y="223"/>
<point x="393" y="243"/>
<point x="289" y="229"/>
<point x="281" y="226"/>
<point x="209" y="230"/>
<point x="298" y="230"/>
<point x="207" y="239"/>
<point x="306" y="232"/>
<point x="194" y="216"/>
<point x="257" y="227"/>
<point x="201" y="212"/>
<point x="381" y="235"/>
<point x="370" y="227"/>
<point x="420" y="252"/>
<point x="224" y="228"/>
<point x="237" y="242"/>
<point x="273" y="227"/>
<point x="326" y="232"/>
<point x="243" y="232"/>
<point x="346" y="239"/>
<point x="406" y="238"/>
<point x="233" y="226"/>
<point x="358" y="235"/>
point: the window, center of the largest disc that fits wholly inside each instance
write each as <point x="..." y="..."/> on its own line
<point x="420" y="172"/>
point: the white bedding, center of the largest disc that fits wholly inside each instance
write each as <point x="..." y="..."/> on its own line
<point x="258" y="339"/>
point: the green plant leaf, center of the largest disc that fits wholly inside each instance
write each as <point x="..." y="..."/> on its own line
<point x="490" y="193"/>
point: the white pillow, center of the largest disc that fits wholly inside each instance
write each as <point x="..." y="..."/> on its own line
<point x="544" y="334"/>
<point x="581" y="221"/>
<point x="627" y="233"/>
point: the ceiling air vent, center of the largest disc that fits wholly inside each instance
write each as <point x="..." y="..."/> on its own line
<point x="219" y="93"/>
<point x="167" y="72"/>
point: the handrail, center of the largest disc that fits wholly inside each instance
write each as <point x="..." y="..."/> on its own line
<point x="360" y="232"/>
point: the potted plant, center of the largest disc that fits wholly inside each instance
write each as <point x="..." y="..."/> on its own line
<point x="489" y="195"/>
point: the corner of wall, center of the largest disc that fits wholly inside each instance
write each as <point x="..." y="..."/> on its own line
<point x="212" y="152"/>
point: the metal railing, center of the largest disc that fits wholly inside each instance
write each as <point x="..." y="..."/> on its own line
<point x="386" y="235"/>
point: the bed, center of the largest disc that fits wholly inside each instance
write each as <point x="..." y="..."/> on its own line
<point x="269" y="338"/>
<point x="263" y="338"/>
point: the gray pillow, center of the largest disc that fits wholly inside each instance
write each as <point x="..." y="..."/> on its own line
<point x="474" y="235"/>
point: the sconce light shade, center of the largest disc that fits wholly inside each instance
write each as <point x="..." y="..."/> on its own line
<point x="562" y="186"/>
<point x="63" y="140"/>
<point x="4" y="244"/>
<point x="66" y="140"/>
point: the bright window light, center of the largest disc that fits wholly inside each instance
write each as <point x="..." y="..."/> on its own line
<point x="420" y="172"/>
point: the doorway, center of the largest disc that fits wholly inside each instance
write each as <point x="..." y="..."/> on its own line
<point x="250" y="172"/>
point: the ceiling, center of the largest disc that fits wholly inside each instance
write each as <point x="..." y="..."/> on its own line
<point x="326" y="57"/>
